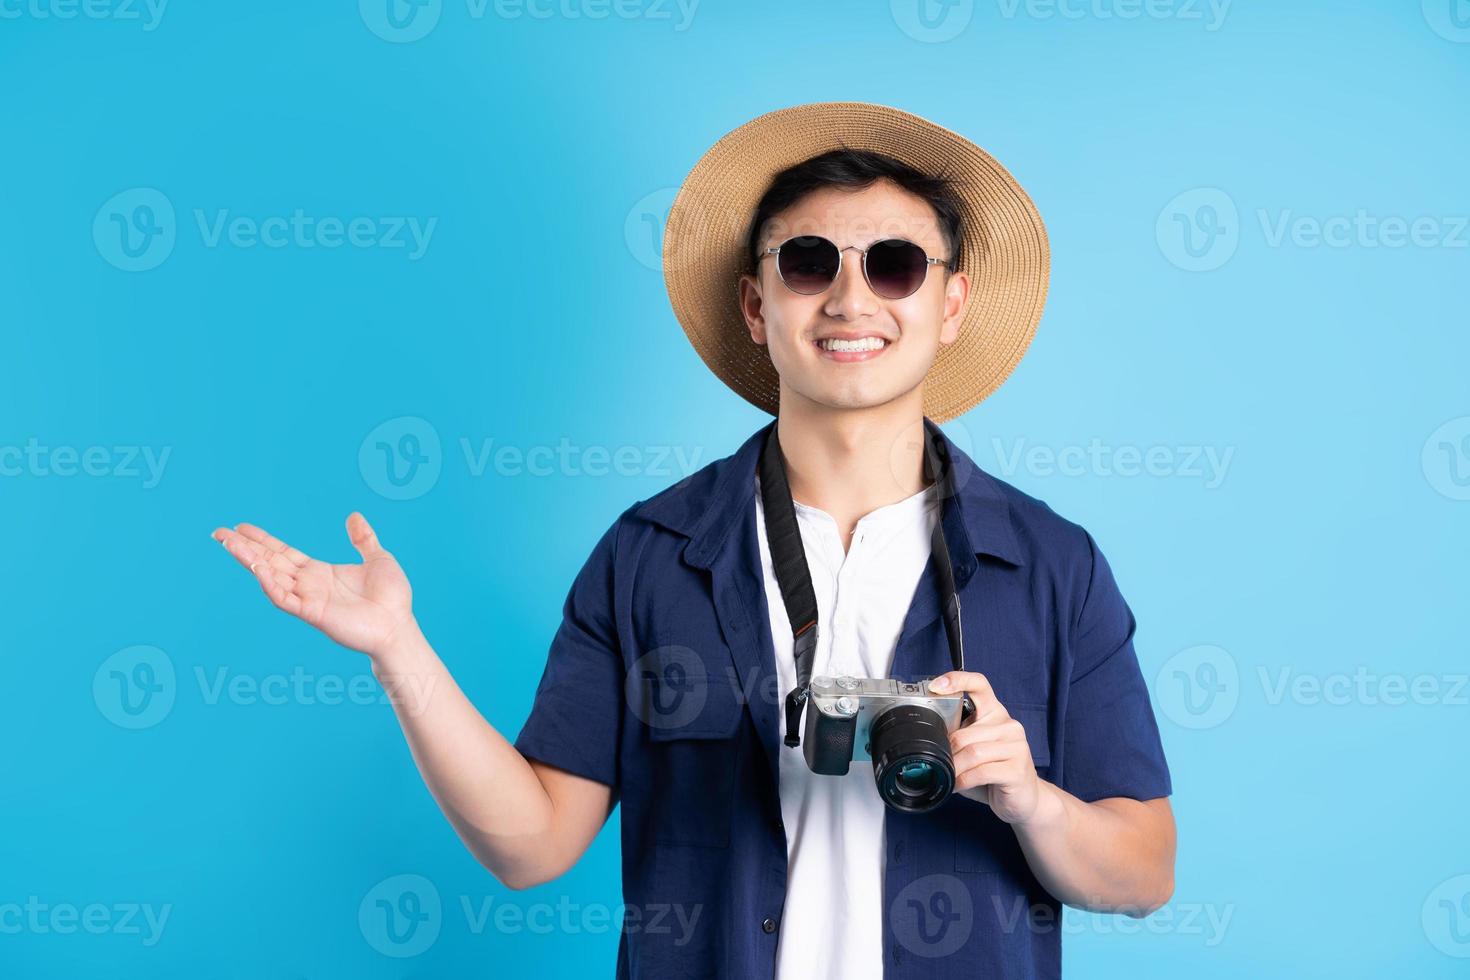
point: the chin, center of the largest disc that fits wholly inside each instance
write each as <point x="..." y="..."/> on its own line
<point x="852" y="393"/>
<point x="852" y="400"/>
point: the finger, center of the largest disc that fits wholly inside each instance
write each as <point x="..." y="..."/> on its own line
<point x="266" y="540"/>
<point x="279" y="586"/>
<point x="995" y="730"/>
<point x="985" y="774"/>
<point x="977" y="685"/>
<point x="984" y="753"/>
<point x="962" y="680"/>
<point x="245" y="551"/>
<point x="257" y="552"/>
<point x="980" y="793"/>
<point x="281" y="597"/>
<point x="250" y="554"/>
<point x="363" y="537"/>
<point x="285" y="580"/>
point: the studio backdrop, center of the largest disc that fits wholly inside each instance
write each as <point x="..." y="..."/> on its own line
<point x="276" y="262"/>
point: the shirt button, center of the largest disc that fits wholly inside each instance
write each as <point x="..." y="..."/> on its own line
<point x="768" y="926"/>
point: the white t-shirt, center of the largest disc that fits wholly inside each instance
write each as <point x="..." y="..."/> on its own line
<point x="832" y="925"/>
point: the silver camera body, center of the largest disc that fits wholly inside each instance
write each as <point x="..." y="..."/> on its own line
<point x="842" y="711"/>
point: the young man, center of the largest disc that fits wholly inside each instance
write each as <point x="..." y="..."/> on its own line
<point x="860" y="297"/>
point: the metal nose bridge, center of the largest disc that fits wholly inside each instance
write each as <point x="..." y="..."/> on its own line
<point x="862" y="267"/>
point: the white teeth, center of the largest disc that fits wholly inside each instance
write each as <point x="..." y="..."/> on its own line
<point x="864" y="343"/>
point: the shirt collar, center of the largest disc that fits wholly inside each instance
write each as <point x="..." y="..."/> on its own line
<point x="706" y="506"/>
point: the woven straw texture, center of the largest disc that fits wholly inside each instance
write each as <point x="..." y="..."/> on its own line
<point x="1005" y="249"/>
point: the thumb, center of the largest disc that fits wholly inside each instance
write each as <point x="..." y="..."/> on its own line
<point x="362" y="535"/>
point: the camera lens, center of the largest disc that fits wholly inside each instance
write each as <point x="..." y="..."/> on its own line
<point x="911" y="761"/>
<point x="916" y="776"/>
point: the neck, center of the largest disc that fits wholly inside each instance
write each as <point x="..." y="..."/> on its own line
<point x="849" y="462"/>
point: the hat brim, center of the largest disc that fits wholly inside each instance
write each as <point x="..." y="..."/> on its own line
<point x="1005" y="250"/>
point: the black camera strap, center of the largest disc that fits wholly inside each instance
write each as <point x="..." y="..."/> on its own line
<point x="794" y="576"/>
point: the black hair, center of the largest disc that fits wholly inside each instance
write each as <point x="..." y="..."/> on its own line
<point x="855" y="170"/>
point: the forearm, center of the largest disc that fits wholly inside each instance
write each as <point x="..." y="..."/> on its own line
<point x="1113" y="855"/>
<point x="527" y="822"/>
<point x="486" y="788"/>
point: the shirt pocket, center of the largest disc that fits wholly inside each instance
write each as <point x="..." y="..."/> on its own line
<point x="693" y="711"/>
<point x="983" y="841"/>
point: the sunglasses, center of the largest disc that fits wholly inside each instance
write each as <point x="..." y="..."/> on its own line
<point x="894" y="267"/>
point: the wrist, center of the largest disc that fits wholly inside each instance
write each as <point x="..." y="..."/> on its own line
<point x="409" y="671"/>
<point x="1051" y="813"/>
<point x="403" y="647"/>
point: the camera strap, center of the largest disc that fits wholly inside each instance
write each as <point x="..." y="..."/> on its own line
<point x="794" y="577"/>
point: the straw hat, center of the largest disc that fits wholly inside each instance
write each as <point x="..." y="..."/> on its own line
<point x="1005" y="250"/>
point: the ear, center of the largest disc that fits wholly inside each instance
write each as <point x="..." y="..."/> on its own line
<point x="751" y="306"/>
<point x="956" y="298"/>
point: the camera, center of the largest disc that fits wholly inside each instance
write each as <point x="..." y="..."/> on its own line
<point x="902" y="726"/>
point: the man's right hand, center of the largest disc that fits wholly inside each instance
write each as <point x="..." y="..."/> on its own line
<point x="525" y="821"/>
<point x="364" y="607"/>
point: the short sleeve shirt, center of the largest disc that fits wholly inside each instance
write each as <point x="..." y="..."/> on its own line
<point x="661" y="683"/>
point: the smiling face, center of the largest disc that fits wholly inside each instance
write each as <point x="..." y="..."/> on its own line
<point x="846" y="347"/>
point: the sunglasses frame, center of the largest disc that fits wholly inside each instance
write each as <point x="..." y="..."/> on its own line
<point x="928" y="261"/>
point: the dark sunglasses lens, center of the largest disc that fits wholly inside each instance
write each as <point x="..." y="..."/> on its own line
<point x="808" y="264"/>
<point x="896" y="268"/>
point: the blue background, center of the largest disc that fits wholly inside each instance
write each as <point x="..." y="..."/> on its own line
<point x="1328" y="838"/>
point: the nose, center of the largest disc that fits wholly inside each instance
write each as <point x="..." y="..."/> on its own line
<point x="849" y="298"/>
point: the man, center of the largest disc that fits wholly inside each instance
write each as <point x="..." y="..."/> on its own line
<point x="861" y="296"/>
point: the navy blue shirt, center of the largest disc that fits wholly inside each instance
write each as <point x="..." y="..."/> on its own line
<point x="661" y="683"/>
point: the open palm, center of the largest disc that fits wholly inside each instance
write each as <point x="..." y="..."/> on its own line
<point x="362" y="607"/>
